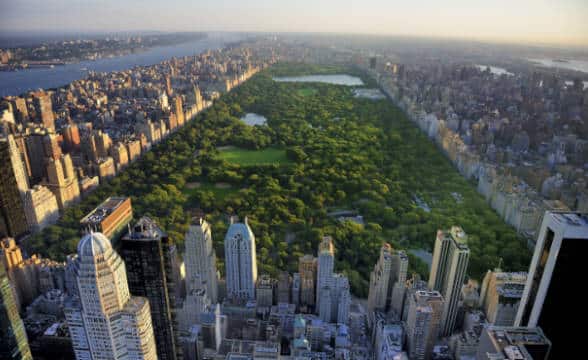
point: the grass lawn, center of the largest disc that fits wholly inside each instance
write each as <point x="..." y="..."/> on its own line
<point x="307" y="92"/>
<point x="246" y="157"/>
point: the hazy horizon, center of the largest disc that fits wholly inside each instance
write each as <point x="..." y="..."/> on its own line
<point x="525" y="21"/>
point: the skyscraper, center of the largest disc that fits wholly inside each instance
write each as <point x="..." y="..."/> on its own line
<point x="198" y="98"/>
<point x="560" y="250"/>
<point x="397" y="291"/>
<point x="20" y="110"/>
<point x="44" y="109"/>
<point x="448" y="271"/>
<point x="200" y="259"/>
<point x="194" y="305"/>
<point x="35" y="149"/>
<point x="143" y="252"/>
<point x="325" y="266"/>
<point x="500" y="296"/>
<point x="12" y="218"/>
<point x="13" y="338"/>
<point x="106" y="322"/>
<point x="71" y="137"/>
<point x="333" y="296"/>
<point x="307" y="271"/>
<point x="387" y="282"/>
<point x="40" y="207"/>
<point x="423" y="320"/>
<point x="264" y="292"/>
<point x="283" y="293"/>
<point x="240" y="261"/>
<point x="178" y="109"/>
<point x="51" y="146"/>
<point x="63" y="181"/>
<point x="380" y="280"/>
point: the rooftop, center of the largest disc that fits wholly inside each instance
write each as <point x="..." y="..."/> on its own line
<point x="145" y="229"/>
<point x="103" y="210"/>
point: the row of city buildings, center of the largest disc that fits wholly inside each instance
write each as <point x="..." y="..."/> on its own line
<point x="512" y="315"/>
<point x="520" y="137"/>
<point x="56" y="146"/>
<point x="140" y="298"/>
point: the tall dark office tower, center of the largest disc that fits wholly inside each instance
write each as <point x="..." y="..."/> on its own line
<point x="448" y="271"/>
<point x="35" y="146"/>
<point x="556" y="270"/>
<point x="145" y="250"/>
<point x="12" y="216"/>
<point x="13" y="338"/>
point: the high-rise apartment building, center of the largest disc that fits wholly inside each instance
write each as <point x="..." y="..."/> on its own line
<point x="12" y="218"/>
<point x="240" y="261"/>
<point x="198" y="101"/>
<point x="19" y="106"/>
<point x="296" y="289"/>
<point x="18" y="166"/>
<point x="178" y="109"/>
<point x="307" y="271"/>
<point x="501" y="295"/>
<point x="448" y="271"/>
<point x="40" y="207"/>
<point x="106" y="168"/>
<point x="106" y="322"/>
<point x="120" y="156"/>
<point x="13" y="338"/>
<point x="44" y="109"/>
<point x="425" y="310"/>
<point x="63" y="181"/>
<point x="144" y="254"/>
<point x="325" y="266"/>
<point x="71" y="138"/>
<point x="194" y="306"/>
<point x="388" y="282"/>
<point x="380" y="280"/>
<point x="548" y="300"/>
<point x="200" y="259"/>
<point x="51" y="146"/>
<point x="333" y="295"/>
<point x="264" y="292"/>
<point x="133" y="149"/>
<point x="283" y="290"/>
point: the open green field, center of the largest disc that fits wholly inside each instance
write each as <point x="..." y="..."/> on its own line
<point x="245" y="157"/>
<point x="307" y="92"/>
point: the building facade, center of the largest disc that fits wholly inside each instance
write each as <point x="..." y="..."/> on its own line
<point x="240" y="261"/>
<point x="40" y="206"/>
<point x="12" y="217"/>
<point x="559" y="251"/>
<point x="448" y="271"/>
<point x="106" y="322"/>
<point x="14" y="343"/>
<point x="200" y="259"/>
<point x="143" y="253"/>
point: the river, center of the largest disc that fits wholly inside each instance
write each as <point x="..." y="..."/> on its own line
<point x="18" y="82"/>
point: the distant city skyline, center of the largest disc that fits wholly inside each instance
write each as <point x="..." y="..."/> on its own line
<point x="527" y="21"/>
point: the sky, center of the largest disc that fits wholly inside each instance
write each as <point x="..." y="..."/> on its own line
<point x="563" y="22"/>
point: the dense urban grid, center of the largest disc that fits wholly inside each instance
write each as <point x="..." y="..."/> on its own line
<point x="130" y="269"/>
